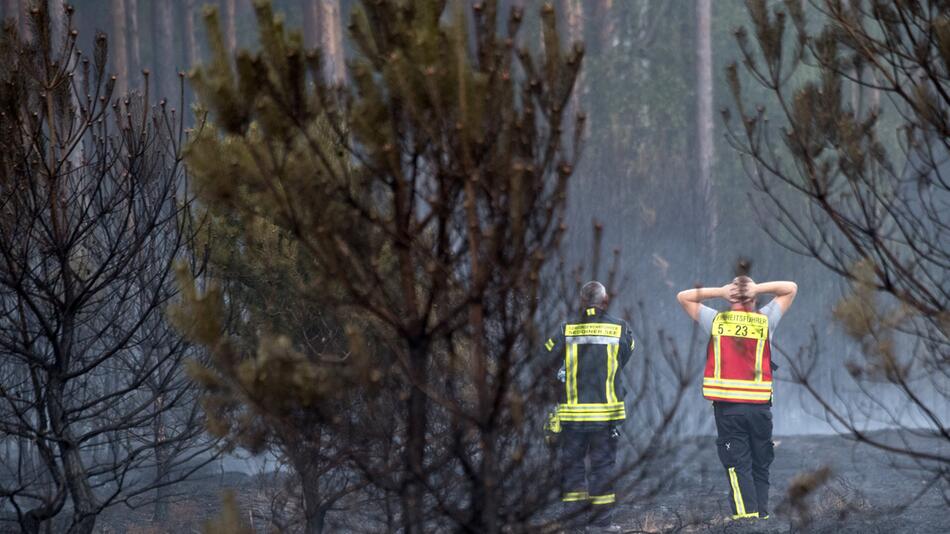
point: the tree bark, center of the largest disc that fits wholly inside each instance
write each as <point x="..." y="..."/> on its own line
<point x="573" y="11"/>
<point x="704" y="122"/>
<point x="229" y="12"/>
<point x="11" y="9"/>
<point x="311" y="22"/>
<point x="24" y="17"/>
<point x="74" y="472"/>
<point x="57" y="17"/>
<point x="135" y="49"/>
<point x="331" y="40"/>
<point x="164" y="44"/>
<point x="191" y="36"/>
<point x="118" y="47"/>
<point x="314" y="509"/>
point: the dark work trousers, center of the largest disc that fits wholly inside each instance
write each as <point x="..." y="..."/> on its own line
<point x="600" y="446"/>
<point x="746" y="451"/>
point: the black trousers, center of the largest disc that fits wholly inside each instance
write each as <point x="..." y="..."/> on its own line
<point x="746" y="451"/>
<point x="593" y="490"/>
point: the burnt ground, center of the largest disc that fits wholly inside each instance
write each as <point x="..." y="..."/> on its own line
<point x="864" y="494"/>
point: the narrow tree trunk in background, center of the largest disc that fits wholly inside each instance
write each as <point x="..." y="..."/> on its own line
<point x="85" y="505"/>
<point x="311" y="22"/>
<point x="58" y="21"/>
<point x="573" y="12"/>
<point x="704" y="121"/>
<point x="191" y="35"/>
<point x="417" y="423"/>
<point x="23" y="16"/>
<point x="11" y="9"/>
<point x="135" y="49"/>
<point x="118" y="48"/>
<point x="331" y="40"/>
<point x="309" y="471"/>
<point x="229" y="20"/>
<point x="166" y="77"/>
<point x="160" y="512"/>
<point x="599" y="33"/>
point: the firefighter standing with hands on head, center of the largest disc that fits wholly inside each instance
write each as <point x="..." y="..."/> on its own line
<point x="738" y="381"/>
<point x="593" y="350"/>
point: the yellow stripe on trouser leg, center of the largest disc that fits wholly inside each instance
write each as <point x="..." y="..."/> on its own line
<point x="610" y="498"/>
<point x="736" y="492"/>
<point x="574" y="496"/>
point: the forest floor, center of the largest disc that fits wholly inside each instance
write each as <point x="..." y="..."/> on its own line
<point x="864" y="494"/>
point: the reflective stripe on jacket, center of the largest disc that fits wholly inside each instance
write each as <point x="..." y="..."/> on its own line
<point x="738" y="359"/>
<point x="594" y="350"/>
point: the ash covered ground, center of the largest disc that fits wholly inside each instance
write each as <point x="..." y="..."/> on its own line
<point x="868" y="491"/>
<point x="865" y="493"/>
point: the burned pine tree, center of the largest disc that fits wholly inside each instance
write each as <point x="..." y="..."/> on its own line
<point x="859" y="183"/>
<point x="94" y="212"/>
<point x="420" y="210"/>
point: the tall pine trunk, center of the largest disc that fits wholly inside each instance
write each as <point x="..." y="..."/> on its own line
<point x="229" y="14"/>
<point x="332" y="40"/>
<point x="573" y="11"/>
<point x="309" y="471"/>
<point x="11" y="9"/>
<point x="311" y="22"/>
<point x="191" y="34"/>
<point x="135" y="41"/>
<point x="704" y="124"/>
<point x="118" y="47"/>
<point x="164" y="45"/>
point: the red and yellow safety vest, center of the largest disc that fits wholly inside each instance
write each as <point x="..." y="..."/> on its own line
<point x="738" y="359"/>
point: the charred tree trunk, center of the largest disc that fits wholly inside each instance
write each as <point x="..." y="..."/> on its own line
<point x="74" y="472"/>
<point x="160" y="512"/>
<point x="417" y="411"/>
<point x="119" y="47"/>
<point x="704" y="123"/>
<point x="314" y="507"/>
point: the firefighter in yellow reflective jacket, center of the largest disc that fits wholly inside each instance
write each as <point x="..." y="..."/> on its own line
<point x="738" y="381"/>
<point x="593" y="350"/>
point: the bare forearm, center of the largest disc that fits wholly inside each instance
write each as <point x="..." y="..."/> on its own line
<point x="700" y="294"/>
<point x="784" y="292"/>
<point x="690" y="299"/>
<point x="779" y="289"/>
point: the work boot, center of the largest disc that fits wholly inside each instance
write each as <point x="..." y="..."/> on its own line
<point x="611" y="528"/>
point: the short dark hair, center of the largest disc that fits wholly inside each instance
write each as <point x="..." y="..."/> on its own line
<point x="594" y="294"/>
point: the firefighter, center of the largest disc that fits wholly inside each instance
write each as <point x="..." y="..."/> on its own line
<point x="593" y="350"/>
<point x="738" y="381"/>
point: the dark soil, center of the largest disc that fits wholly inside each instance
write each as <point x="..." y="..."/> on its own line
<point x="866" y="493"/>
